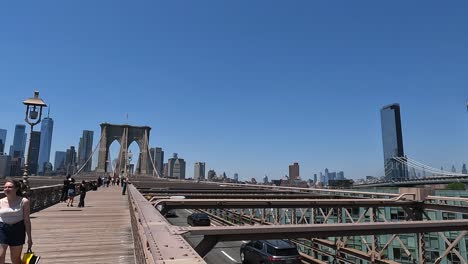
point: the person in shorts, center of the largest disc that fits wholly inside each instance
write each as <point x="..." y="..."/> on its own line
<point x="14" y="222"/>
<point x="71" y="192"/>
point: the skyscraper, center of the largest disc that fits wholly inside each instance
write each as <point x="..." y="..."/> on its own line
<point x="59" y="162"/>
<point x="326" y="177"/>
<point x="47" y="127"/>
<point x="85" y="149"/>
<point x="5" y="165"/>
<point x="464" y="171"/>
<point x="3" y="134"/>
<point x="34" y="152"/>
<point x="157" y="155"/>
<point x="236" y="177"/>
<point x="70" y="160"/>
<point x="340" y="176"/>
<point x="293" y="172"/>
<point x="199" y="173"/>
<point x="176" y="167"/>
<point x="19" y="139"/>
<point x="392" y="139"/>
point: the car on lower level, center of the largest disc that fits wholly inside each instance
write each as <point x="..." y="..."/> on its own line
<point x="269" y="252"/>
<point x="198" y="219"/>
<point x="171" y="213"/>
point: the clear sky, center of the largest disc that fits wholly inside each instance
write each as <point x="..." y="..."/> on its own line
<point x="246" y="86"/>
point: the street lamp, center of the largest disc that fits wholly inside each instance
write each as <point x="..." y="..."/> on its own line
<point x="33" y="117"/>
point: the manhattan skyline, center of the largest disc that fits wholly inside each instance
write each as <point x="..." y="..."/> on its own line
<point x="250" y="88"/>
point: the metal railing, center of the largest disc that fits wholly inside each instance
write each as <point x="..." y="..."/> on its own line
<point x="43" y="197"/>
<point x="155" y="240"/>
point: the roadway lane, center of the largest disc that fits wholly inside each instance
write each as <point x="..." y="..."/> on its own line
<point x="222" y="253"/>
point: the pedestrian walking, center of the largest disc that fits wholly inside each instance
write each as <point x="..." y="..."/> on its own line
<point x="124" y="185"/>
<point x="64" y="196"/>
<point x="82" y="193"/>
<point x="71" y="192"/>
<point x="14" y="222"/>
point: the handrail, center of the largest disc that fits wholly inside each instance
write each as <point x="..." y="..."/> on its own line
<point x="156" y="241"/>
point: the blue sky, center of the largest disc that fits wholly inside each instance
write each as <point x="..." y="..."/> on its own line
<point x="246" y="86"/>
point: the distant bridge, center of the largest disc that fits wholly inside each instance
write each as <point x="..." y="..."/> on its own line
<point x="415" y="174"/>
<point x="416" y="182"/>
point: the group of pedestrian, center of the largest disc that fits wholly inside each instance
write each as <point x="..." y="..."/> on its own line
<point x="69" y="191"/>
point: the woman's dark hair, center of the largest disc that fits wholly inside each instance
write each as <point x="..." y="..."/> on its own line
<point x="83" y="182"/>
<point x="18" y="186"/>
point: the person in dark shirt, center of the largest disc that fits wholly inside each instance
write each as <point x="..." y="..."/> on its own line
<point x="64" y="196"/>
<point x="71" y="192"/>
<point x="82" y="193"/>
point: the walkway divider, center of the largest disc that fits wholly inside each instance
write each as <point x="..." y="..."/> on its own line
<point x="155" y="240"/>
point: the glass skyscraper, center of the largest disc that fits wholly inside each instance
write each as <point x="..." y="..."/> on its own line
<point x="392" y="140"/>
<point x="85" y="149"/>
<point x="59" y="162"/>
<point x="47" y="127"/>
<point x="34" y="152"/>
<point x="19" y="140"/>
<point x="3" y="134"/>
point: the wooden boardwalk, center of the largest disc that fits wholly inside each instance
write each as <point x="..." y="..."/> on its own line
<point x="98" y="233"/>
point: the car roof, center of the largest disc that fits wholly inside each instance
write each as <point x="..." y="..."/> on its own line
<point x="201" y="215"/>
<point x="278" y="243"/>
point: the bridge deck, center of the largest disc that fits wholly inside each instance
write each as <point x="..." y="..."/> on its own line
<point x="98" y="233"/>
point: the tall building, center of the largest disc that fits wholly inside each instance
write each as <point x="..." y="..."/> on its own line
<point x="199" y="173"/>
<point x="392" y="139"/>
<point x="34" y="152"/>
<point x="59" y="162"/>
<point x="340" y="176"/>
<point x="19" y="142"/>
<point x="70" y="160"/>
<point x="5" y="165"/>
<point x="294" y="171"/>
<point x="211" y="175"/>
<point x="157" y="156"/>
<point x="315" y="178"/>
<point x="236" y="177"/>
<point x="176" y="167"/>
<point x="464" y="171"/>
<point x="453" y="168"/>
<point x="165" y="170"/>
<point x="85" y="150"/>
<point x="265" y="180"/>
<point x="47" y="126"/>
<point x="3" y="134"/>
<point x="326" y="177"/>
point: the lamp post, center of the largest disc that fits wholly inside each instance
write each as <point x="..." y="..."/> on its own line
<point x="33" y="117"/>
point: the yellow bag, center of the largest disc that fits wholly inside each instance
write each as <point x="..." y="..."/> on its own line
<point x="30" y="258"/>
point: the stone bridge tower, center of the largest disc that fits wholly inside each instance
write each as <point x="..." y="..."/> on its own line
<point x="125" y="135"/>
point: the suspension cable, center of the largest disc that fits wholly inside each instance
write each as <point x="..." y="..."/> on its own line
<point x="152" y="162"/>
<point x="90" y="156"/>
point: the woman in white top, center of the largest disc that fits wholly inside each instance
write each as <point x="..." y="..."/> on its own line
<point x="14" y="222"/>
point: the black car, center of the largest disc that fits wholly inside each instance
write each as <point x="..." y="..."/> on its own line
<point x="198" y="219"/>
<point x="269" y="252"/>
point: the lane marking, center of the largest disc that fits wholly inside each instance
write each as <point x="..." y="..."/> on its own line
<point x="243" y="241"/>
<point x="229" y="257"/>
<point x="188" y="211"/>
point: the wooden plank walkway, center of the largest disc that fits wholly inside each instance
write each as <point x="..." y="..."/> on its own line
<point x="98" y="233"/>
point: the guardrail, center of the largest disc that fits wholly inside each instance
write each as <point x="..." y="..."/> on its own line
<point x="43" y="197"/>
<point x="155" y="240"/>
